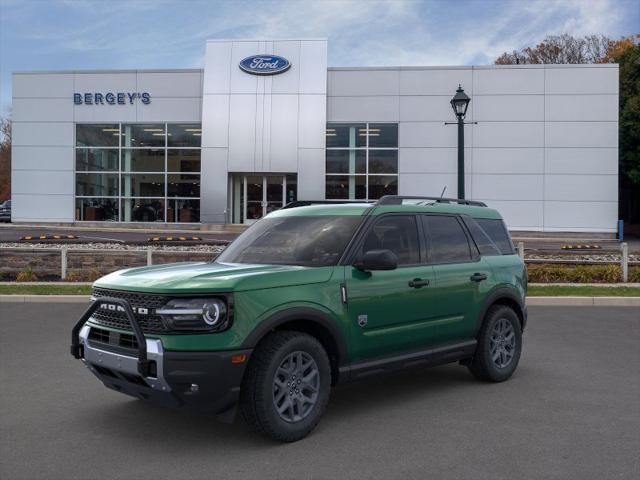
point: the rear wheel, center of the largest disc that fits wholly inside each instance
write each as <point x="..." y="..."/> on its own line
<point x="499" y="345"/>
<point x="287" y="385"/>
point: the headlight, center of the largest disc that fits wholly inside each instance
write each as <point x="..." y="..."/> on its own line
<point x="198" y="314"/>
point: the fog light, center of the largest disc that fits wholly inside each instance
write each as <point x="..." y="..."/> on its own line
<point x="194" y="388"/>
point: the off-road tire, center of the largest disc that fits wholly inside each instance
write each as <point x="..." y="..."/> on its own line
<point x="257" y="404"/>
<point x="483" y="366"/>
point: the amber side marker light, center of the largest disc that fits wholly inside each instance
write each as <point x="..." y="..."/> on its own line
<point x="240" y="358"/>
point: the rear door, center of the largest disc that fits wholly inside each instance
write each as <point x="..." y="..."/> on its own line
<point x="462" y="276"/>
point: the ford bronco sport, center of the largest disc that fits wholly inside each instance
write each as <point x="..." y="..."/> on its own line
<point x="307" y="298"/>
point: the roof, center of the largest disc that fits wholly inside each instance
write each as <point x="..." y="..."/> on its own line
<point x="373" y="209"/>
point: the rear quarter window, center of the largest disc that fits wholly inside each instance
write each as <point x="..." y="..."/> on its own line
<point x="498" y="233"/>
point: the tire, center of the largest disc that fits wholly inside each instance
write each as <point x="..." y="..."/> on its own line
<point x="499" y="345"/>
<point x="269" y="385"/>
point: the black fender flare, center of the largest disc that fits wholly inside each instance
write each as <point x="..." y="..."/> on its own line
<point x="498" y="294"/>
<point x="305" y="314"/>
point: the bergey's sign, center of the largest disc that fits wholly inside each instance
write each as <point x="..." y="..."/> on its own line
<point x="110" y="98"/>
<point x="265" y="64"/>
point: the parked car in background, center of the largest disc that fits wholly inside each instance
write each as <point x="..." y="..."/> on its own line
<point x="5" y="211"/>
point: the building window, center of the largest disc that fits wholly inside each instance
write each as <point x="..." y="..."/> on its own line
<point x="361" y="160"/>
<point x="138" y="172"/>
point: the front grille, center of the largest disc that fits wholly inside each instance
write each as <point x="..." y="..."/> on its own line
<point x="149" y="323"/>
<point x="107" y="338"/>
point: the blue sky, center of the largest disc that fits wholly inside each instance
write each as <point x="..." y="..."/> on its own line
<point x="119" y="34"/>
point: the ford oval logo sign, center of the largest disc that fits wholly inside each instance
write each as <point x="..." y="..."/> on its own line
<point x="265" y="64"/>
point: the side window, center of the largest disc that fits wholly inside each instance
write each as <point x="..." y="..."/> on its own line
<point x="398" y="234"/>
<point x="448" y="242"/>
<point x="497" y="232"/>
<point x="480" y="237"/>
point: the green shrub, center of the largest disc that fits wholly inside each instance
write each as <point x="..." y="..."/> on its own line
<point x="27" y="275"/>
<point x="554" y="273"/>
<point x="634" y="274"/>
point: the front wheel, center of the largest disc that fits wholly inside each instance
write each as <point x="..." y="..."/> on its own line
<point x="287" y="385"/>
<point x="499" y="345"/>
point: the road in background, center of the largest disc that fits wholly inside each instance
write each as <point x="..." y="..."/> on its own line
<point x="570" y="411"/>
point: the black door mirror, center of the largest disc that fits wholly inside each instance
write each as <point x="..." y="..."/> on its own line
<point x="377" y="260"/>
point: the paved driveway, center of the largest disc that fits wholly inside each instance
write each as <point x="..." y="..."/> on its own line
<point x="571" y="411"/>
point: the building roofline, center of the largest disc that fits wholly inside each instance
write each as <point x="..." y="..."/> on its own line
<point x="317" y="39"/>
<point x="106" y="71"/>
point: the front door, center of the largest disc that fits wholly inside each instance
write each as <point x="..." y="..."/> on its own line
<point x="390" y="311"/>
<point x="257" y="195"/>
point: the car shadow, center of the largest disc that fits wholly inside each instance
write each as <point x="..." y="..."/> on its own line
<point x="355" y="402"/>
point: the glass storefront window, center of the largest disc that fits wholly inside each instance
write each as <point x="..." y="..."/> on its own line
<point x="143" y="135"/>
<point x="143" y="160"/>
<point x="183" y="211"/>
<point x="96" y="159"/>
<point x="133" y="164"/>
<point x="179" y="185"/>
<point x="96" y="185"/>
<point x="143" y="209"/>
<point x="346" y="187"/>
<point x="346" y="161"/>
<point x="363" y="152"/>
<point x="96" y="209"/>
<point x="344" y="135"/>
<point x="383" y="135"/>
<point x="97" y="135"/>
<point x="143" y="185"/>
<point x="183" y="161"/>
<point x="184" y="135"/>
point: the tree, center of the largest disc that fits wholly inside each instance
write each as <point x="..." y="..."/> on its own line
<point x="560" y="49"/>
<point x="5" y="159"/>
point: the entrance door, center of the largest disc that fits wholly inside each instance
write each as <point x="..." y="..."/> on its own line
<point x="262" y="194"/>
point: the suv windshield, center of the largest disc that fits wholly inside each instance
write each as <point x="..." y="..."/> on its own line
<point x="315" y="241"/>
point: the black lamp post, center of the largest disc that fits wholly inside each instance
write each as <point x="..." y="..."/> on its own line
<point x="460" y="103"/>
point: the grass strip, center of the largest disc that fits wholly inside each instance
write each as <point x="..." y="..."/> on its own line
<point x="52" y="289"/>
<point x="590" y="291"/>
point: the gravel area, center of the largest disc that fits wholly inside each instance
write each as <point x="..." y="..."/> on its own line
<point x="117" y="246"/>
<point x="608" y="257"/>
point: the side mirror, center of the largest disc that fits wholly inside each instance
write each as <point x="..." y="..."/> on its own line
<point x="377" y="260"/>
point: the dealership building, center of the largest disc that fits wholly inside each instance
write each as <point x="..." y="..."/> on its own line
<point x="268" y="122"/>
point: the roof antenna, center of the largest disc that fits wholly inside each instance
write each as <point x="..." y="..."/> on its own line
<point x="442" y="194"/>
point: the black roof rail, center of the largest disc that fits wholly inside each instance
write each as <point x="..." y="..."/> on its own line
<point x="397" y="200"/>
<point x="306" y="203"/>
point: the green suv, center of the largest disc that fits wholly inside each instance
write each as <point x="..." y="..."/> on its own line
<point x="307" y="298"/>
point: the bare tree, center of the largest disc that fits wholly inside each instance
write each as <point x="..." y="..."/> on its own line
<point x="560" y="49"/>
<point x="5" y="159"/>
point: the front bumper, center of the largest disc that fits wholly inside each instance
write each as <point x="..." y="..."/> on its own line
<point x="206" y="381"/>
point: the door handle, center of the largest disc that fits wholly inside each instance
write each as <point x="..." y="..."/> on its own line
<point x="477" y="277"/>
<point x="418" y="282"/>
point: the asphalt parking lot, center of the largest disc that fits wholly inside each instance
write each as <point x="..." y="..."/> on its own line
<point x="572" y="410"/>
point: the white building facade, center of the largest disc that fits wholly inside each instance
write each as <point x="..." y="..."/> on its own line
<point x="231" y="142"/>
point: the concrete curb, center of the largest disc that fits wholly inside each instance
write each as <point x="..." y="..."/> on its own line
<point x="532" y="301"/>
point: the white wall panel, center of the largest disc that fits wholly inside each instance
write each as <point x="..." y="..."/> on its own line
<point x="215" y="125"/>
<point x="242" y="133"/>
<point x="576" y="216"/>
<point x="42" y="110"/>
<point x="42" y="182"/>
<point x="213" y="196"/>
<point x="508" y="160"/>
<point x="170" y="110"/>
<point x="346" y="109"/>
<point x="428" y="184"/>
<point x="42" y="158"/>
<point x="288" y="82"/>
<point x="216" y="79"/>
<point x="429" y="109"/>
<point x="508" y="108"/>
<point x="518" y="214"/>
<point x="353" y="83"/>
<point x="435" y="81"/>
<point x="313" y="59"/>
<point x="106" y="82"/>
<point x="508" y="81"/>
<point x="509" y="134"/>
<point x="508" y="187"/>
<point x="283" y="154"/>
<point x="581" y="79"/>
<point x="582" y="160"/>
<point x="42" y="133"/>
<point x="170" y="84"/>
<point x="240" y="81"/>
<point x="311" y="172"/>
<point x="431" y="134"/>
<point x="432" y="160"/>
<point x="581" y="187"/>
<point x="312" y="121"/>
<point x="105" y="113"/>
<point x="582" y="108"/>
<point x="582" y="134"/>
<point x="29" y="208"/>
<point x="43" y="85"/>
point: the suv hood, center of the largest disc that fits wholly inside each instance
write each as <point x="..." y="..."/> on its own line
<point x="208" y="277"/>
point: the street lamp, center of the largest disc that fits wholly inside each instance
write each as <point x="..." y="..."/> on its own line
<point x="460" y="103"/>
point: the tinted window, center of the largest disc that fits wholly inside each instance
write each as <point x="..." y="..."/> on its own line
<point x="306" y="241"/>
<point x="497" y="232"/>
<point x="448" y="242"/>
<point x="481" y="239"/>
<point x="398" y="234"/>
